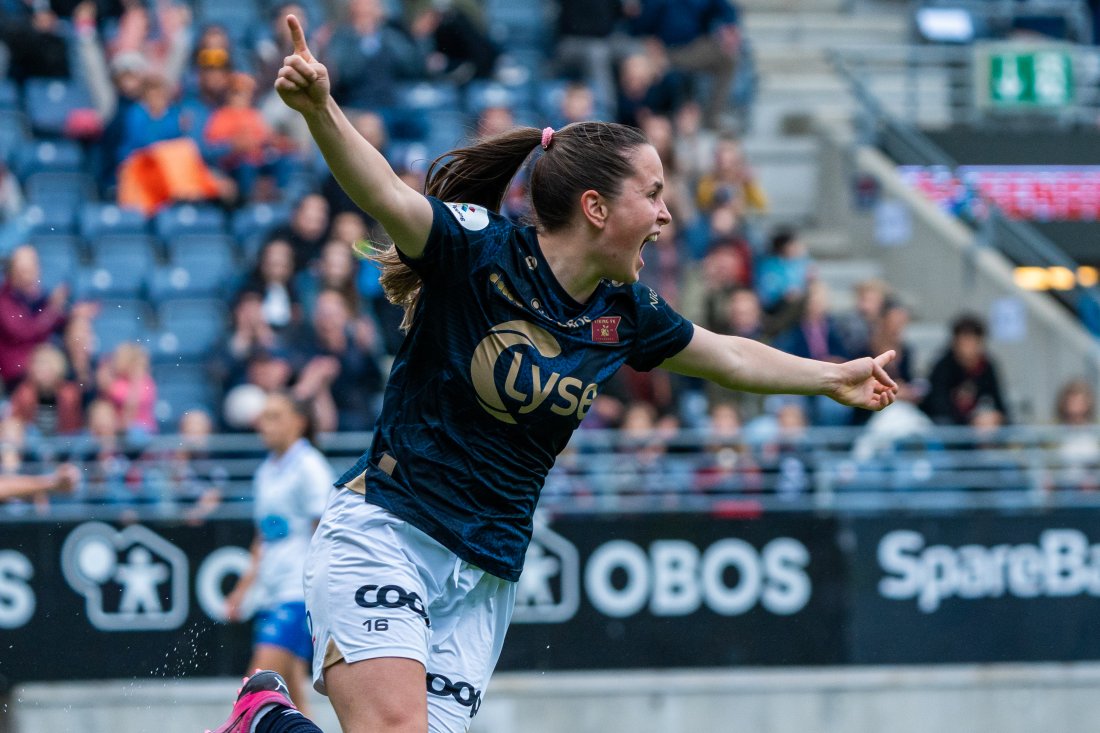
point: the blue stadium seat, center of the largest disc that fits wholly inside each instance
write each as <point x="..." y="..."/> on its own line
<point x="427" y="96"/>
<point x="54" y="185"/>
<point x="174" y="398"/>
<point x="121" y="321"/>
<point x="14" y="134"/>
<point x="118" y="271"/>
<point x="219" y="250"/>
<point x="188" y="219"/>
<point x="190" y="328"/>
<point x="190" y="278"/>
<point x="9" y="94"/>
<point x="47" y="155"/>
<point x="258" y="218"/>
<point x="51" y="217"/>
<point x="49" y="102"/>
<point x="109" y="249"/>
<point x="96" y="219"/>
<point x="481" y="94"/>
<point x="58" y="258"/>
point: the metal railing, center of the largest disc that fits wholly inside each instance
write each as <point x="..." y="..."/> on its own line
<point x="760" y="469"/>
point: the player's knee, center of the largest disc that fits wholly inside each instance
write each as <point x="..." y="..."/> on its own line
<point x="389" y="718"/>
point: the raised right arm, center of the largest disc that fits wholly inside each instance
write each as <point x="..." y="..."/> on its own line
<point x="366" y="176"/>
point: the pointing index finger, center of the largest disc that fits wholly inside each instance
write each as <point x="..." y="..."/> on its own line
<point x="298" y="36"/>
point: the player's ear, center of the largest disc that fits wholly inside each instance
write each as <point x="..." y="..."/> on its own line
<point x="594" y="208"/>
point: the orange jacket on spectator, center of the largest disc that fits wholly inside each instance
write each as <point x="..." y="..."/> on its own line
<point x="233" y="125"/>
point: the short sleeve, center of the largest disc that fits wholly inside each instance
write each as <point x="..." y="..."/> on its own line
<point x="662" y="332"/>
<point x="317" y="481"/>
<point x="460" y="235"/>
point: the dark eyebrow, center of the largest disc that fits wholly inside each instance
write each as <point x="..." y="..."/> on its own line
<point x="659" y="185"/>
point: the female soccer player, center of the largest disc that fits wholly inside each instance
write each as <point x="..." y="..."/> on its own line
<point x="291" y="487"/>
<point x="511" y="332"/>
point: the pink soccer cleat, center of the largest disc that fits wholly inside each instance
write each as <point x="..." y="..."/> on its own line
<point x="263" y="688"/>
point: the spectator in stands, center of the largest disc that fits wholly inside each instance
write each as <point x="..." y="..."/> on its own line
<point x="731" y="181"/>
<point x="368" y="56"/>
<point x="164" y="41"/>
<point x="78" y="341"/>
<point x="35" y="39"/>
<point x="27" y="316"/>
<point x="741" y="316"/>
<point x="193" y="476"/>
<point x="578" y="103"/>
<point x="340" y="374"/>
<point x="888" y="331"/>
<point x="154" y="118"/>
<point x="127" y="384"/>
<point x="589" y="44"/>
<point x="63" y="480"/>
<point x="111" y="475"/>
<point x="728" y="465"/>
<point x="815" y="336"/>
<point x="250" y="334"/>
<point x="494" y="120"/>
<point x="45" y="401"/>
<point x="337" y="269"/>
<point x="964" y="378"/>
<point x="783" y="277"/>
<point x="307" y="230"/>
<point x="698" y="37"/>
<point x="662" y="136"/>
<point x="273" y="280"/>
<point x="1078" y="448"/>
<point x="857" y="325"/>
<point x="645" y="88"/>
<point x="13" y="228"/>
<point x="452" y="39"/>
<point x="696" y="146"/>
<point x="250" y="151"/>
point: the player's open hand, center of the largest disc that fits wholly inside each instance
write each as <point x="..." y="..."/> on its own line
<point x="865" y="383"/>
<point x="303" y="82"/>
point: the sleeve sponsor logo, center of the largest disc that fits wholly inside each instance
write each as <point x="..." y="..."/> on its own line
<point x="474" y="218"/>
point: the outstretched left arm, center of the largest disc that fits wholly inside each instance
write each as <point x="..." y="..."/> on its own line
<point x="750" y="366"/>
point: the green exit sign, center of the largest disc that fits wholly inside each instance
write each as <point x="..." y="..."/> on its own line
<point x="1026" y="77"/>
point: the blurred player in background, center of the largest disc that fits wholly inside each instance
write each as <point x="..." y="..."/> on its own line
<point x="411" y="577"/>
<point x="290" y="489"/>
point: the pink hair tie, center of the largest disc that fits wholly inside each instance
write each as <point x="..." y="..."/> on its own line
<point x="547" y="137"/>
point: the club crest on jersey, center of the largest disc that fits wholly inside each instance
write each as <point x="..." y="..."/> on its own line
<point x="474" y="218"/>
<point x="605" y="330"/>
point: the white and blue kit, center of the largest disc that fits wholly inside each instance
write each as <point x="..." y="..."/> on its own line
<point x="290" y="493"/>
<point x="498" y="369"/>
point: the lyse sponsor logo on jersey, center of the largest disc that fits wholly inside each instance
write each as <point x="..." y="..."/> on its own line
<point x="391" y="596"/>
<point x="463" y="693"/>
<point x="565" y="395"/>
<point x="1061" y="564"/>
<point x="605" y="330"/>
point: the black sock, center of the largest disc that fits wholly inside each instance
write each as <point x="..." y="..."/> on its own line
<point x="285" y="720"/>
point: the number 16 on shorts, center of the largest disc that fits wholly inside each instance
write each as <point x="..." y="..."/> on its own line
<point x="376" y="624"/>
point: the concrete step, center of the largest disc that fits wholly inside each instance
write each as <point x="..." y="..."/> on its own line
<point x="787" y="169"/>
<point x="815" y="29"/>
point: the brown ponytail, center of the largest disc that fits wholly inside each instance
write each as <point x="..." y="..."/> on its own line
<point x="580" y="157"/>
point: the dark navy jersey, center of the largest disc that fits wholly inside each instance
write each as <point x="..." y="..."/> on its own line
<point x="498" y="370"/>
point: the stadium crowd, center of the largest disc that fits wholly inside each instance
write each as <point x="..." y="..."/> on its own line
<point x="173" y="243"/>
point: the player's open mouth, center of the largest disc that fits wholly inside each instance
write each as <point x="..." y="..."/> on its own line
<point x="647" y="240"/>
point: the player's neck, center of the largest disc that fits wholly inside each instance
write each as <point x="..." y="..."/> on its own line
<point x="569" y="260"/>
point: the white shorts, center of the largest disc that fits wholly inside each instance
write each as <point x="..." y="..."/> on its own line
<point x="378" y="587"/>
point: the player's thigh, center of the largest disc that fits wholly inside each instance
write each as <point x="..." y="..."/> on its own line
<point x="465" y="648"/>
<point x="382" y="695"/>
